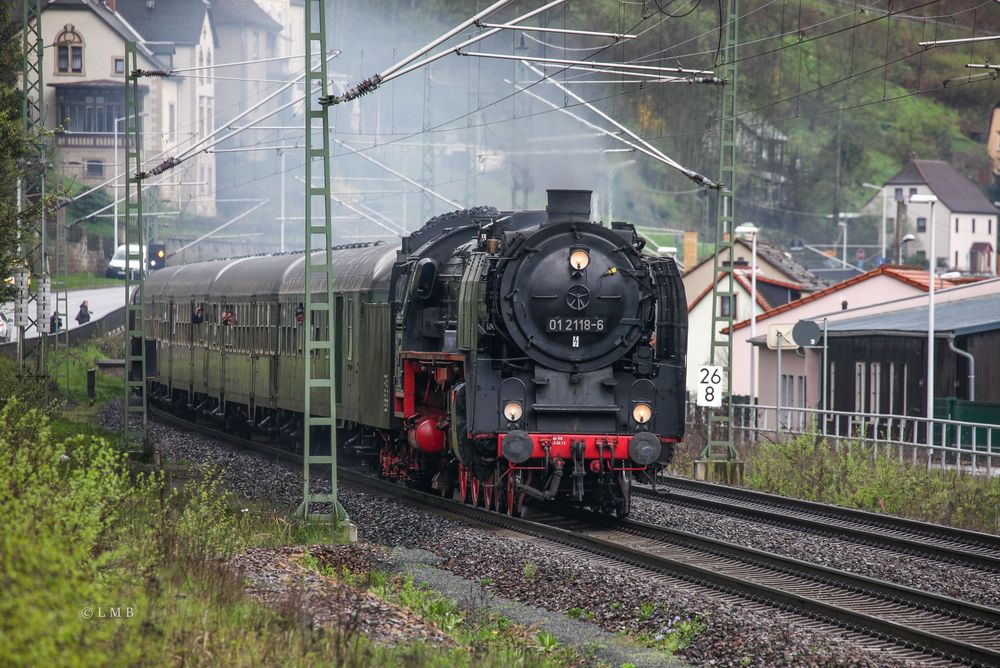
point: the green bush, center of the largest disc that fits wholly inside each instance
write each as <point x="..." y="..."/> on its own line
<point x="856" y="476"/>
<point x="32" y="391"/>
<point x="58" y="507"/>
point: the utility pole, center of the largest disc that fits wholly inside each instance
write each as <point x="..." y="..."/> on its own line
<point x="898" y="240"/>
<point x="718" y="459"/>
<point x="320" y="401"/>
<point x="33" y="119"/>
<point x="135" y="312"/>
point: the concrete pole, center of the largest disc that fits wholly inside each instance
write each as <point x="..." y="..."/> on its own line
<point x="778" y="388"/>
<point x="115" y="189"/>
<point x="753" y="320"/>
<point x="930" y="334"/>
<point x="825" y="375"/>
<point x="900" y="217"/>
<point x="885" y="213"/>
<point x="282" y="247"/>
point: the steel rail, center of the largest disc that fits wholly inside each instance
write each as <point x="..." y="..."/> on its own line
<point x="940" y="626"/>
<point x="912" y="537"/>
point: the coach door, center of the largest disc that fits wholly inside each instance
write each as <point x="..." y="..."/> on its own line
<point x="274" y="325"/>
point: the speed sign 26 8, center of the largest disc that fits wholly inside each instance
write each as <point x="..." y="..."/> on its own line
<point x="710" y="386"/>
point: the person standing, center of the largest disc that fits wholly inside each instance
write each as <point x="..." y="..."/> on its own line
<point x="83" y="316"/>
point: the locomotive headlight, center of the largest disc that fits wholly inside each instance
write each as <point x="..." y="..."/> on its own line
<point x="579" y="259"/>
<point x="513" y="411"/>
<point x="641" y="413"/>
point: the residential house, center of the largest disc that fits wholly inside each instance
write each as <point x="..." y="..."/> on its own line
<point x="771" y="292"/>
<point x="761" y="147"/>
<point x="772" y="263"/>
<point x="875" y="296"/>
<point x="188" y="27"/>
<point x="84" y="96"/>
<point x="966" y="233"/>
<point x="248" y="33"/>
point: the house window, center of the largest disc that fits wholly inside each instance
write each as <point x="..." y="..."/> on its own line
<point x="973" y="225"/>
<point x="989" y="226"/>
<point x="875" y="387"/>
<point x="255" y="44"/>
<point x="956" y="224"/>
<point x="92" y="112"/>
<point x="119" y="66"/>
<point x="913" y="191"/>
<point x="899" y="194"/>
<point x="956" y="259"/>
<point x="921" y="224"/>
<point x="69" y="51"/>
<point x="726" y="309"/>
<point x="95" y="168"/>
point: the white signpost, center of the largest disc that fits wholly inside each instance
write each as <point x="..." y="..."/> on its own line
<point x="710" y="386"/>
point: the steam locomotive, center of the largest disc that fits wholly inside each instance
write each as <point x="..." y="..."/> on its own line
<point x="502" y="357"/>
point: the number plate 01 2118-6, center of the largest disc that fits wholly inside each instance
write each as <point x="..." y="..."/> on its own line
<point x="575" y="325"/>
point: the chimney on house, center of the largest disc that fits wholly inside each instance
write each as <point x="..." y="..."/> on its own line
<point x="110" y="4"/>
<point x="690" y="248"/>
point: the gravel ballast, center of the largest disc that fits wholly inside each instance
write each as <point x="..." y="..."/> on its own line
<point x="734" y="632"/>
<point x="920" y="573"/>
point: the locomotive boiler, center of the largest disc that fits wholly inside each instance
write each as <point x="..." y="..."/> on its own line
<point x="501" y="357"/>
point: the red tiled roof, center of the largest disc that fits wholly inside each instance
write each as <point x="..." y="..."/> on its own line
<point x="915" y="277"/>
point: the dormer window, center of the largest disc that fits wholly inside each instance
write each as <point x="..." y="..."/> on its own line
<point x="69" y="51"/>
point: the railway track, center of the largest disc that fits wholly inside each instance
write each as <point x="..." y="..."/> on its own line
<point x="912" y="537"/>
<point x="941" y="629"/>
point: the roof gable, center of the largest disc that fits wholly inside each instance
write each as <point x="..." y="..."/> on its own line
<point x="113" y="20"/>
<point x="793" y="270"/>
<point x="177" y="21"/>
<point x="954" y="190"/>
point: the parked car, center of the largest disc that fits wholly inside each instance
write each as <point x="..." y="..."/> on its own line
<point x="136" y="261"/>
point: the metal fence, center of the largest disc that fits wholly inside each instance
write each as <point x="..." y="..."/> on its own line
<point x="969" y="447"/>
<point x="106" y="324"/>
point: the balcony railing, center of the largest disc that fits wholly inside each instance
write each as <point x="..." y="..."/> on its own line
<point x="89" y="140"/>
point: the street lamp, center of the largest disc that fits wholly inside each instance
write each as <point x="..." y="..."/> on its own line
<point x="932" y="200"/>
<point x="902" y="244"/>
<point x="885" y="213"/>
<point x="745" y="230"/>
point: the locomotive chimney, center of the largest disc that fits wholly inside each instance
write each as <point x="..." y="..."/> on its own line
<point x="568" y="205"/>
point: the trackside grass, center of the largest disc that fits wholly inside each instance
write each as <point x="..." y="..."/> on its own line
<point x="856" y="476"/>
<point x="106" y="561"/>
